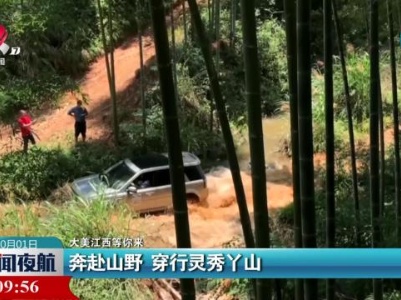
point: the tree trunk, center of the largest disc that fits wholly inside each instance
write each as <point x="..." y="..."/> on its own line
<point x="217" y="38"/>
<point x="109" y="69"/>
<point x="307" y="191"/>
<point x="211" y="21"/>
<point x="141" y="76"/>
<point x="374" y="137"/>
<point x="330" y="153"/>
<point x="210" y="16"/>
<point x="382" y="151"/>
<point x="224" y="123"/>
<point x="399" y="15"/>
<point x="217" y="6"/>
<point x="234" y="6"/>
<point x="290" y="22"/>
<point x="255" y="129"/>
<point x="173" y="51"/>
<point x="397" y="170"/>
<point x="113" y="76"/>
<point x="169" y="97"/>
<point x="184" y="19"/>
<point x="350" y="123"/>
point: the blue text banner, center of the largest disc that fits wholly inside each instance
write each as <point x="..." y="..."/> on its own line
<point x="232" y="263"/>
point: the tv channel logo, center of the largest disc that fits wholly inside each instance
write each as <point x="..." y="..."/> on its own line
<point x="5" y="49"/>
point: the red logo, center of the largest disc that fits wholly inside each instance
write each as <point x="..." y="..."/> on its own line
<point x="3" y="34"/>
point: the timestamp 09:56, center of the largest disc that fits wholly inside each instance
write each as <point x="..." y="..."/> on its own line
<point x="10" y="286"/>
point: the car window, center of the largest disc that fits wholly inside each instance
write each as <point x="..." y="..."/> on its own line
<point x="153" y="179"/>
<point x="193" y="173"/>
<point x="161" y="177"/>
<point x="145" y="180"/>
<point x="119" y="175"/>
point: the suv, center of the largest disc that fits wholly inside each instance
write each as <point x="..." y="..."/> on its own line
<point x="144" y="182"/>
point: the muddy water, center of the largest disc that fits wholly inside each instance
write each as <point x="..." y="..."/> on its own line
<point x="274" y="130"/>
<point x="216" y="221"/>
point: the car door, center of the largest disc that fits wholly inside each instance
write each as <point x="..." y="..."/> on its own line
<point x="135" y="199"/>
<point x="160" y="192"/>
<point x="155" y="196"/>
<point x="140" y="200"/>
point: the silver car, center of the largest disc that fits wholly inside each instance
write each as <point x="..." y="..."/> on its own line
<point x="143" y="182"/>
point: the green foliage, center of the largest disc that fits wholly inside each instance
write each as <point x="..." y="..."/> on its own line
<point x="353" y="17"/>
<point x="345" y="218"/>
<point x="77" y="219"/>
<point x="80" y="218"/>
<point x="74" y="218"/>
<point x="58" y="40"/>
<point x="132" y="133"/>
<point x="35" y="175"/>
<point x="53" y="34"/>
<point x="358" y="70"/>
<point x="194" y="110"/>
<point x="273" y="62"/>
<point x="194" y="137"/>
<point x="239" y="287"/>
<point x="195" y="96"/>
<point x="273" y="65"/>
<point x="358" y="80"/>
<point x="31" y="94"/>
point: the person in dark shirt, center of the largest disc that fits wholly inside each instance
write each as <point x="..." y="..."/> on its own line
<point x="79" y="113"/>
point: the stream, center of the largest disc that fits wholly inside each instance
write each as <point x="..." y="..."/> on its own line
<point x="275" y="129"/>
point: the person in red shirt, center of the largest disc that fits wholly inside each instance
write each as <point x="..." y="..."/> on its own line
<point x="25" y="123"/>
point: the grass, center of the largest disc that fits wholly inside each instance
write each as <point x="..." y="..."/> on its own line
<point x="77" y="219"/>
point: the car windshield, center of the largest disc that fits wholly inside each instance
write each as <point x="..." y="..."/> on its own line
<point x="119" y="175"/>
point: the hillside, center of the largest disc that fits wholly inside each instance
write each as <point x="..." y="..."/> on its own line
<point x="56" y="127"/>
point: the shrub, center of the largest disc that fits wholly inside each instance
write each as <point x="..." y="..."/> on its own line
<point x="358" y="79"/>
<point x="19" y="93"/>
<point x="194" y="137"/>
<point x="35" y="175"/>
<point x="77" y="219"/>
<point x="358" y="69"/>
<point x="273" y="65"/>
<point x="273" y="62"/>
